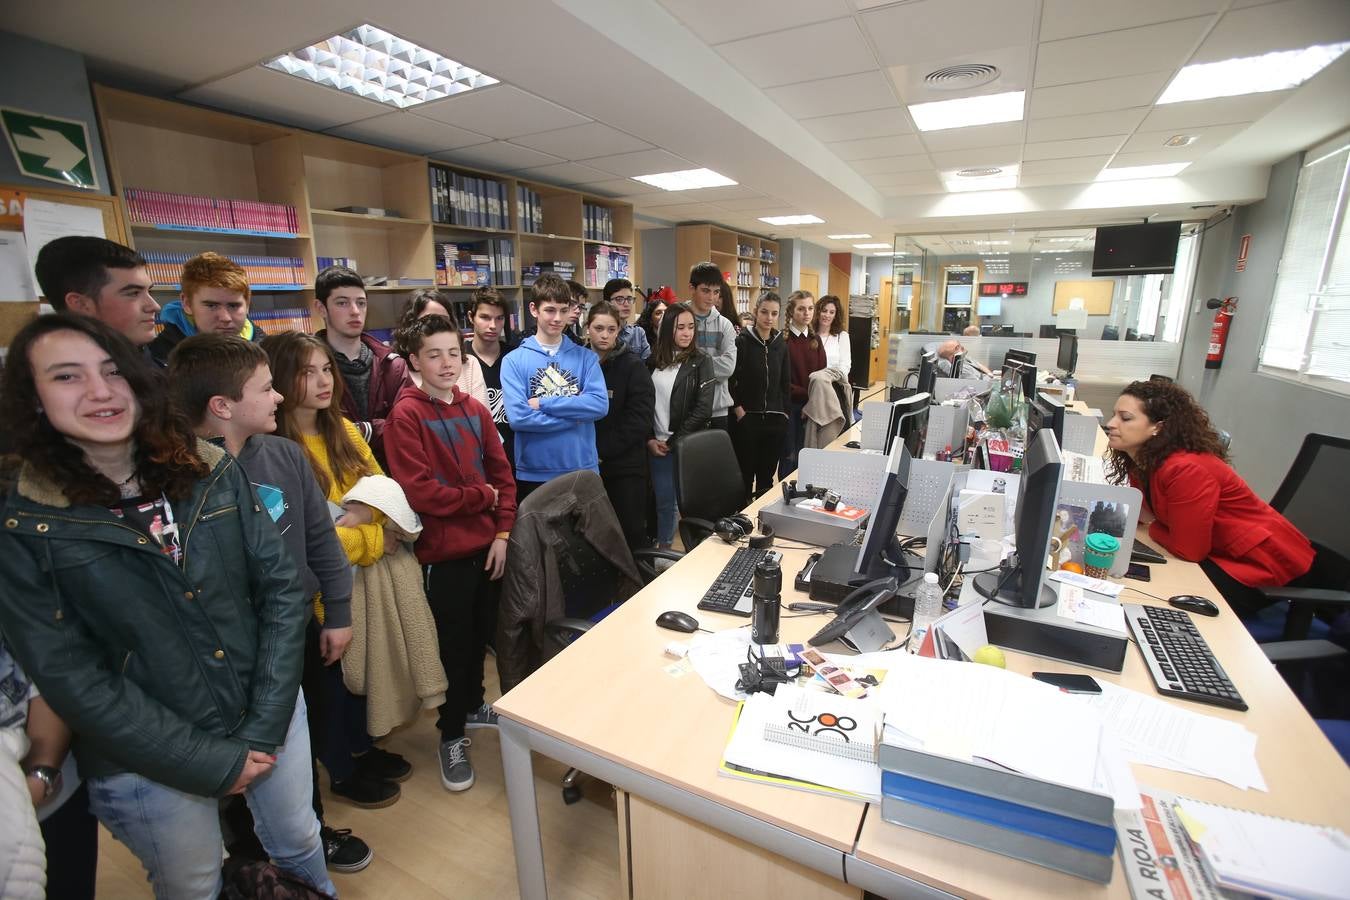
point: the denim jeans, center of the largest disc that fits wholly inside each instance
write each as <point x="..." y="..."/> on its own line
<point x="176" y="835"/>
<point x="663" y="486"/>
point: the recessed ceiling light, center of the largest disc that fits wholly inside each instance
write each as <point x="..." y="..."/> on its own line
<point x="871" y="246"/>
<point x="377" y="65"/>
<point x="848" y="237"/>
<point x="1130" y="173"/>
<point x="686" y="180"/>
<point x="1181" y="140"/>
<point x="968" y="111"/>
<point x="891" y="253"/>
<point x="1072" y="240"/>
<point x="1276" y="71"/>
<point x="793" y="220"/>
<point x="991" y="178"/>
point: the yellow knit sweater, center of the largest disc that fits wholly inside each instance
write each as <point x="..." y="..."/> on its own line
<point x="365" y="543"/>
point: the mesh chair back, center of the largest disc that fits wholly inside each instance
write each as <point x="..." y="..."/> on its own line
<point x="1314" y="492"/>
<point x="708" y="481"/>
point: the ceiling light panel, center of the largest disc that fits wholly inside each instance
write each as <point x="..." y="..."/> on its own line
<point x="686" y="180"/>
<point x="377" y="65"/>
<point x="871" y="246"/>
<point x="848" y="237"/>
<point x="967" y="111"/>
<point x="1276" y="71"/>
<point x="1131" y="173"/>
<point x="793" y="220"/>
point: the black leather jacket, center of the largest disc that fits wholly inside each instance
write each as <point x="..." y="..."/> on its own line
<point x="691" y="400"/>
<point x="171" y="671"/>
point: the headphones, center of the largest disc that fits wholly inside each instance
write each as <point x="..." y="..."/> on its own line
<point x="732" y="528"/>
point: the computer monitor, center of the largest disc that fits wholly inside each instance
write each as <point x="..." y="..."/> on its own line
<point x="908" y="416"/>
<point x="958" y="360"/>
<point x="1110" y="332"/>
<point x="1006" y="331"/>
<point x="986" y="330"/>
<point x="1020" y="580"/>
<point x="1131" y="334"/>
<point x="927" y="374"/>
<point x="1067" y="360"/>
<point x="1046" y="412"/>
<point x="1048" y="331"/>
<point x="880" y="551"/>
<point x="1023" y="356"/>
<point x="1024" y="374"/>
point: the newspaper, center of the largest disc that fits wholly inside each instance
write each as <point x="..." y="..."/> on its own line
<point x="1158" y="859"/>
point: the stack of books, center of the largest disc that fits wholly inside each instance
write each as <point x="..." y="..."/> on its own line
<point x="604" y="262"/>
<point x="766" y="277"/>
<point x="1065" y="828"/>
<point x="565" y="270"/>
<point x="190" y="212"/>
<point x="348" y="262"/>
<point x="491" y="262"/>
<point x="598" y="222"/>
<point x="530" y="208"/>
<point x="274" y="321"/>
<point x="743" y="276"/>
<point x="264" y="272"/>
<point x="467" y="200"/>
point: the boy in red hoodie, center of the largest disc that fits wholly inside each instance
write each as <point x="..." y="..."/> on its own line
<point x="444" y="451"/>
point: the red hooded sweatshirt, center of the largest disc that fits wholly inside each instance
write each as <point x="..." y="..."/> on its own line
<point x="439" y="455"/>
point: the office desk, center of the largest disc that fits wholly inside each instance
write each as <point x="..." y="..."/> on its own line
<point x="685" y="829"/>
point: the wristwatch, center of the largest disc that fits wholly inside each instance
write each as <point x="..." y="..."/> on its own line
<point x="50" y="778"/>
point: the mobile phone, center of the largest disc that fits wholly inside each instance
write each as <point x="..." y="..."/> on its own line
<point x="1139" y="572"/>
<point x="1073" y="684"/>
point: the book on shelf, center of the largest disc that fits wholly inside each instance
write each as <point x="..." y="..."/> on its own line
<point x="563" y="269"/>
<point x="273" y="321"/>
<point x="468" y="200"/>
<point x="598" y="222"/>
<point x="604" y="262"/>
<point x="262" y="271"/>
<point x="477" y="263"/>
<point x="191" y="211"/>
<point x="348" y="262"/>
<point x="530" y="208"/>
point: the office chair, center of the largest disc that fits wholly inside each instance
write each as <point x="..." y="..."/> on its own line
<point x="1110" y="332"/>
<point x="585" y="571"/>
<point x="708" y="483"/>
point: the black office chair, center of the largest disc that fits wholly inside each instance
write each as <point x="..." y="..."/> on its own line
<point x="708" y="483"/>
<point x="1110" y="332"/>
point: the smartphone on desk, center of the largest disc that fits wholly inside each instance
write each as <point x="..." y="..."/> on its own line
<point x="1139" y="572"/>
<point x="1073" y="684"/>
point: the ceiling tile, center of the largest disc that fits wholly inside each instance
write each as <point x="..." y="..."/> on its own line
<point x="751" y="204"/>
<point x="871" y="148"/>
<point x="499" y="156"/>
<point x="408" y="131"/>
<point x="933" y="29"/>
<point x="1291" y="25"/>
<point x="1099" y="95"/>
<point x="896" y="179"/>
<point x="716" y="21"/>
<point x="624" y="187"/>
<point x="829" y="96"/>
<point x="972" y="138"/>
<point x="501" y="111"/>
<point x="1059" y="178"/>
<point x="720" y="195"/>
<point x="582" y="141"/>
<point x="1220" y="111"/>
<point x="885" y="164"/>
<point x="565" y="173"/>
<point x="269" y="94"/>
<point x="1067" y="128"/>
<point x="1151" y="158"/>
<point x="801" y="54"/>
<point x="1128" y="52"/>
<point x="981" y="156"/>
<point x="1207" y="139"/>
<point x="1066" y="149"/>
<point x="1078" y="164"/>
<point x="643" y="162"/>
<point x="1071" y="18"/>
<point x="854" y="126"/>
<point x="690" y="211"/>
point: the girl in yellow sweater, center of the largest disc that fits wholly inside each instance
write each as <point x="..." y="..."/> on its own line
<point x="305" y="373"/>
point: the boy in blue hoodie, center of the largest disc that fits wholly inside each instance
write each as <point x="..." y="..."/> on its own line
<point x="554" y="392"/>
<point x="215" y="299"/>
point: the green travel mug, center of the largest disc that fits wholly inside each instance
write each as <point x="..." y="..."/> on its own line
<point x="1099" y="553"/>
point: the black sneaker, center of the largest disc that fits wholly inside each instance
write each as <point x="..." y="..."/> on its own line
<point x="366" y="792"/>
<point x="345" y="851"/>
<point x="382" y="764"/>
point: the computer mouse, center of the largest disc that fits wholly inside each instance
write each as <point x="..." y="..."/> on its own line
<point x="853" y="445"/>
<point x="677" y="621"/>
<point x="1192" y="603"/>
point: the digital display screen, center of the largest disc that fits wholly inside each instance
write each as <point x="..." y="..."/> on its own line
<point x="1003" y="289"/>
<point x="989" y="306"/>
<point x="959" y="294"/>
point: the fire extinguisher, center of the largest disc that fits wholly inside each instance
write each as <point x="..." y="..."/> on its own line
<point x="1218" y="332"/>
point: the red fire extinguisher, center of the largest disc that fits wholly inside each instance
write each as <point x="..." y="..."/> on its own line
<point x="1218" y="332"/>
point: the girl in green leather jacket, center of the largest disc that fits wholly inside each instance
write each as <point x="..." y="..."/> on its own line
<point x="150" y="598"/>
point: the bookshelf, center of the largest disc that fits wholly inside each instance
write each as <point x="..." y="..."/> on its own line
<point x="748" y="261"/>
<point x="165" y="146"/>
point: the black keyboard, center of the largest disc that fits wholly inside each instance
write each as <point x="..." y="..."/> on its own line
<point x="1143" y="553"/>
<point x="1181" y="663"/>
<point x="731" y="591"/>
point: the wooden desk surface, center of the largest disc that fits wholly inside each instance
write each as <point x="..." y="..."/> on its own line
<point x="611" y="694"/>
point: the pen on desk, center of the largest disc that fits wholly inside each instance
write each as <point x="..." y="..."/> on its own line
<point x="809" y="607"/>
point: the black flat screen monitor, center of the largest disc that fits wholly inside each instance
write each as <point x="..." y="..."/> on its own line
<point x="1022" y="356"/>
<point x="880" y="544"/>
<point x="1146" y="249"/>
<point x="927" y="374"/>
<point x="958" y="362"/>
<point x="1067" y="360"/>
<point x="1046" y="412"/>
<point x="1020" y="581"/>
<point x="908" y="419"/>
<point x="1023" y="375"/>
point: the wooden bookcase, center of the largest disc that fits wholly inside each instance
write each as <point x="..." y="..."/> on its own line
<point x="749" y="262"/>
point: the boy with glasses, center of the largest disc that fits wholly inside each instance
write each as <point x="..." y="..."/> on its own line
<point x="618" y="293"/>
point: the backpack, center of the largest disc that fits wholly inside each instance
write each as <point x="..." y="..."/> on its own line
<point x="250" y="879"/>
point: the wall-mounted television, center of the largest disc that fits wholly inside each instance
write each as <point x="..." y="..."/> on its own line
<point x="989" y="306"/>
<point x="959" y="294"/>
<point x="1148" y="249"/>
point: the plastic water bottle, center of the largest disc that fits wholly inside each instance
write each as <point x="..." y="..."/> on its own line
<point x="927" y="608"/>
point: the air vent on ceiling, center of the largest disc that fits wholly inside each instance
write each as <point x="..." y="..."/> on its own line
<point x="979" y="172"/>
<point x="961" y="77"/>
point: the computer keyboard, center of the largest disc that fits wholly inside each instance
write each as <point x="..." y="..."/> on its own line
<point x="731" y="592"/>
<point x="1181" y="663"/>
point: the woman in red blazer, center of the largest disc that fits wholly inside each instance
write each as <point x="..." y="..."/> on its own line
<point x="1162" y="442"/>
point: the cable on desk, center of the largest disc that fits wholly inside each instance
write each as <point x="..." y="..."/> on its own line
<point x="1146" y="594"/>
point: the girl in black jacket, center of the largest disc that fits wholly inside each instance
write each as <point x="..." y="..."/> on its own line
<point x="760" y="394"/>
<point x="620" y="437"/>
<point x="683" y="378"/>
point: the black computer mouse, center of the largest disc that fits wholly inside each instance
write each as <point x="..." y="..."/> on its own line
<point x="1192" y="603"/>
<point x="854" y="445"/>
<point x="677" y="621"/>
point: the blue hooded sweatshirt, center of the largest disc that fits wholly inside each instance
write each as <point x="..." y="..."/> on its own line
<point x="559" y="436"/>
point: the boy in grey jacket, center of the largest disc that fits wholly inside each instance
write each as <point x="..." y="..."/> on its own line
<point x="714" y="335"/>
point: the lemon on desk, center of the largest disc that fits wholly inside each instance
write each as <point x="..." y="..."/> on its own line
<point x="990" y="656"/>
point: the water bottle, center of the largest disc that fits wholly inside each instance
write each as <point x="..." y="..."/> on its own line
<point x="927" y="608"/>
<point x="768" y="587"/>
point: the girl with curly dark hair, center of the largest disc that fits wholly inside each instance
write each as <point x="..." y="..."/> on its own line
<point x="153" y="603"/>
<point x="1162" y="442"/>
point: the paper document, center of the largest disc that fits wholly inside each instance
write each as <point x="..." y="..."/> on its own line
<point x="717" y="658"/>
<point x="16" y="278"/>
<point x="1159" y="862"/>
<point x="1074" y="604"/>
<point x="43" y="222"/>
